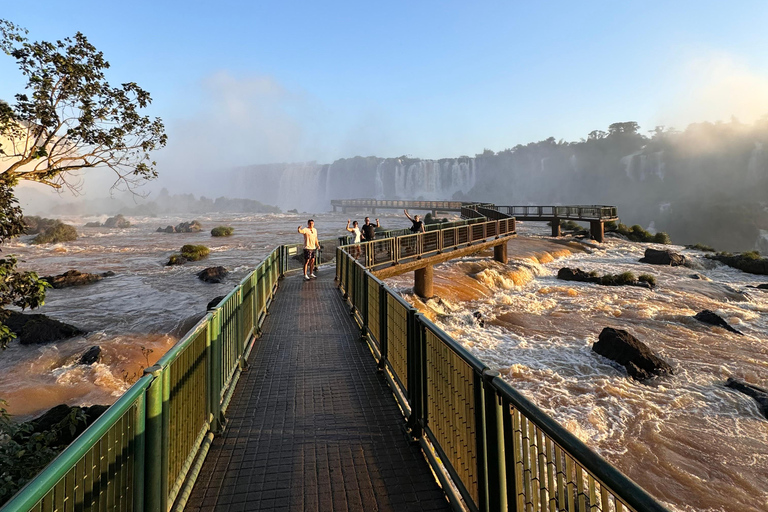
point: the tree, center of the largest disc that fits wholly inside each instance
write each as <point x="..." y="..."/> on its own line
<point x="628" y="128"/>
<point x="70" y="118"/>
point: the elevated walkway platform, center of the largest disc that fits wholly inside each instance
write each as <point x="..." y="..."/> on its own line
<point x="312" y="425"/>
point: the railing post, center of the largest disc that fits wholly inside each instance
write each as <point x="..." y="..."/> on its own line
<point x="415" y="385"/>
<point x="494" y="442"/>
<point x="139" y="458"/>
<point x="383" y="343"/>
<point x="156" y="493"/>
<point x="214" y="333"/>
<point x="481" y="442"/>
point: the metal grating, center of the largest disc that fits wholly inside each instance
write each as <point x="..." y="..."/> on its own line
<point x="373" y="309"/>
<point x="397" y="339"/>
<point x="451" y="410"/>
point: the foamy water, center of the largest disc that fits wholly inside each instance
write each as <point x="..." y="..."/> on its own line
<point x="687" y="439"/>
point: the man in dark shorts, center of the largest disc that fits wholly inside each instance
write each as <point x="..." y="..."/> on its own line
<point x="418" y="225"/>
<point x="311" y="244"/>
<point x="369" y="230"/>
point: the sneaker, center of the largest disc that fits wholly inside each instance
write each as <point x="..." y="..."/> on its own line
<point x="312" y="275"/>
<point x="306" y="277"/>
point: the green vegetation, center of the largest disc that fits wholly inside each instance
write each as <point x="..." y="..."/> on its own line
<point x="647" y="278"/>
<point x="60" y="232"/>
<point x="623" y="279"/>
<point x="750" y="261"/>
<point x="176" y="259"/>
<point x="194" y="252"/>
<point x="700" y="247"/>
<point x="611" y="225"/>
<point x="222" y="231"/>
<point x="637" y="234"/>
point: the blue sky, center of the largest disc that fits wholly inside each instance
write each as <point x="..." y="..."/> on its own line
<point x="240" y="83"/>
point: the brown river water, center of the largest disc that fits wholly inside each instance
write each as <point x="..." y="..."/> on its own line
<point x="687" y="439"/>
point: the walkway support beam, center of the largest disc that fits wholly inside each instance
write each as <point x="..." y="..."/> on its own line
<point x="500" y="253"/>
<point x="597" y="230"/>
<point x="423" y="282"/>
<point x="556" y="227"/>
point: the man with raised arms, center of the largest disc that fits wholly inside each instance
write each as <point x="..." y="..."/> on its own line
<point x="311" y="244"/>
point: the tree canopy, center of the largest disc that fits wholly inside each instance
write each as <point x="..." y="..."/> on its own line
<point x="70" y="118"/>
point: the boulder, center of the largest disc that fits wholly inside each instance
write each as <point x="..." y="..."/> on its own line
<point x="576" y="274"/>
<point x="36" y="328"/>
<point x="93" y="224"/>
<point x="665" y="257"/>
<point x="167" y="229"/>
<point x="189" y="227"/>
<point x="118" y="221"/>
<point x="479" y="317"/>
<point x="58" y="421"/>
<point x="712" y="318"/>
<point x="90" y="356"/>
<point x="699" y="276"/>
<point x="213" y="274"/>
<point x="620" y="346"/>
<point x="75" y="278"/>
<point x="759" y="394"/>
<point x="215" y="302"/>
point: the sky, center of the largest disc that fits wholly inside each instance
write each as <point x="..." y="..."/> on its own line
<point x="241" y="83"/>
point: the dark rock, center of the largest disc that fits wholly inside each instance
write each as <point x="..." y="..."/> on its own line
<point x="75" y="278"/>
<point x="759" y="394"/>
<point x="213" y="274"/>
<point x="699" y="276"/>
<point x="167" y="229"/>
<point x="90" y="356"/>
<point x="576" y="274"/>
<point x="56" y="234"/>
<point x="761" y="286"/>
<point x="215" y="302"/>
<point x="92" y="224"/>
<point x="665" y="257"/>
<point x="34" y="224"/>
<point x="620" y="346"/>
<point x="58" y="421"/>
<point x="118" y="221"/>
<point x="293" y="210"/>
<point x="479" y="317"/>
<point x="189" y="227"/>
<point x="712" y="318"/>
<point x="36" y="328"/>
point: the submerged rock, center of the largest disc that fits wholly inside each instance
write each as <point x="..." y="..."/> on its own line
<point x="620" y="346"/>
<point x="699" y="276"/>
<point x="167" y="229"/>
<point x="184" y="227"/>
<point x="215" y="302"/>
<point x="665" y="257"/>
<point x="75" y="278"/>
<point x="576" y="274"/>
<point x="37" y="328"/>
<point x="90" y="356"/>
<point x="118" y="221"/>
<point x="712" y="318"/>
<point x="759" y="394"/>
<point x="213" y="274"/>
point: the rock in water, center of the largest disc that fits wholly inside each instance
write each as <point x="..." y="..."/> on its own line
<point x="75" y="278"/>
<point x="36" y="328"/>
<point x="576" y="274"/>
<point x="712" y="318"/>
<point x="620" y="346"/>
<point x="90" y="356"/>
<point x="213" y="274"/>
<point x="759" y="394"/>
<point x="215" y="302"/>
<point x="665" y="257"/>
<point x="118" y="221"/>
<point x="57" y="421"/>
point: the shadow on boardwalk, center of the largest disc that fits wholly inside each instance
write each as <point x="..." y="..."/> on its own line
<point x="312" y="426"/>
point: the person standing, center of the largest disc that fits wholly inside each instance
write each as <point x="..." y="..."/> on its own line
<point x="311" y="244"/>
<point x="369" y="230"/>
<point x="357" y="236"/>
<point x="418" y="225"/>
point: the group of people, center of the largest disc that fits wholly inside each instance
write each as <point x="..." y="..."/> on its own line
<point x="366" y="233"/>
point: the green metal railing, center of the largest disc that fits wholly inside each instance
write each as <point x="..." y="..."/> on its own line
<point x="481" y="436"/>
<point x="142" y="453"/>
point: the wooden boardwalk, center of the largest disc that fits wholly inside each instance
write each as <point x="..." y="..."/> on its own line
<point x="312" y="425"/>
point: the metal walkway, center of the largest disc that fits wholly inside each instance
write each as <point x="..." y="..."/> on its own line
<point x="312" y="425"/>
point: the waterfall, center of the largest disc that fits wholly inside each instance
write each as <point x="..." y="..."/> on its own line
<point x="756" y="162"/>
<point x="301" y="188"/>
<point x="640" y="165"/>
<point x="379" y="181"/>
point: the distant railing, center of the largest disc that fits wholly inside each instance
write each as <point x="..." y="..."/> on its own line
<point x="139" y="454"/>
<point x="593" y="212"/>
<point x="398" y="249"/>
<point x="376" y="203"/>
<point x="499" y="450"/>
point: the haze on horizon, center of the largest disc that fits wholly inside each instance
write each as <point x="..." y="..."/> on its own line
<point x="246" y="83"/>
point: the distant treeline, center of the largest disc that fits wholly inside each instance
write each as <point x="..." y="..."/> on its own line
<point x="706" y="184"/>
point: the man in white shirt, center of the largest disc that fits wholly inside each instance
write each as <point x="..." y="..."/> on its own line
<point x="311" y="244"/>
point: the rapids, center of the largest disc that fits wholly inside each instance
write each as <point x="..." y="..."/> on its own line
<point x="688" y="440"/>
